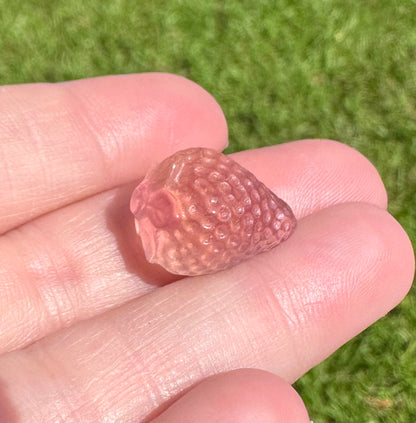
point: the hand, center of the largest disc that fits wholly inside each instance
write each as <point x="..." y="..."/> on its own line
<point x="89" y="331"/>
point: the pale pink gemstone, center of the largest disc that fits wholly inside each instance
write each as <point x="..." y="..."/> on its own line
<point x="199" y="212"/>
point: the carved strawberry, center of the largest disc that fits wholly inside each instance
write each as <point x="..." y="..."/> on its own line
<point x="199" y="212"/>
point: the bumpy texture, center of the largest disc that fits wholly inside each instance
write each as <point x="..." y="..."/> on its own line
<point x="199" y="212"/>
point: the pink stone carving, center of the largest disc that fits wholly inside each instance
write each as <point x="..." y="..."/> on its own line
<point x="199" y="212"/>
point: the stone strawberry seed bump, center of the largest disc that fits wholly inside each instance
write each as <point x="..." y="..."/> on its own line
<point x="199" y="212"/>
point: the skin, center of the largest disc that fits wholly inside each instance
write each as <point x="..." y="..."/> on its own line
<point x="91" y="332"/>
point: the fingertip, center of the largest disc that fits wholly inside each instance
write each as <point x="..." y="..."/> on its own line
<point x="362" y="170"/>
<point x="402" y="257"/>
<point x="207" y="111"/>
<point x="372" y="175"/>
<point x="313" y="174"/>
<point x="150" y="116"/>
<point x="368" y="246"/>
<point x="243" y="395"/>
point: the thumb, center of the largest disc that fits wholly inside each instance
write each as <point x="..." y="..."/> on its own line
<point x="244" y="395"/>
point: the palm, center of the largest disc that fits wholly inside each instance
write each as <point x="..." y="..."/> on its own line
<point x="70" y="258"/>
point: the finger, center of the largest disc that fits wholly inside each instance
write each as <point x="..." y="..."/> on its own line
<point x="63" y="142"/>
<point x="86" y="258"/>
<point x="313" y="174"/>
<point x="283" y="311"/>
<point x="244" y="395"/>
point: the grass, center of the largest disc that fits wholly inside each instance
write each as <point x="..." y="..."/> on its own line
<point x="281" y="70"/>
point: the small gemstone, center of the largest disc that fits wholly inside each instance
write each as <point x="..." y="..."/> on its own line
<point x="198" y="212"/>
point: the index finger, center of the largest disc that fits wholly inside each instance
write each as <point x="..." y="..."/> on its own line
<point x="63" y="142"/>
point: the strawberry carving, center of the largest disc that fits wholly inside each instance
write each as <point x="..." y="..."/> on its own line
<point x="199" y="212"/>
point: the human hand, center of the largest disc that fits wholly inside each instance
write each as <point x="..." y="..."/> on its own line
<point x="90" y="331"/>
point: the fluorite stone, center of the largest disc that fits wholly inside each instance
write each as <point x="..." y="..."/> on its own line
<point x="200" y="212"/>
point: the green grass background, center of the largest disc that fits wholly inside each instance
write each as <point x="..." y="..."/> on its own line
<point x="281" y="70"/>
